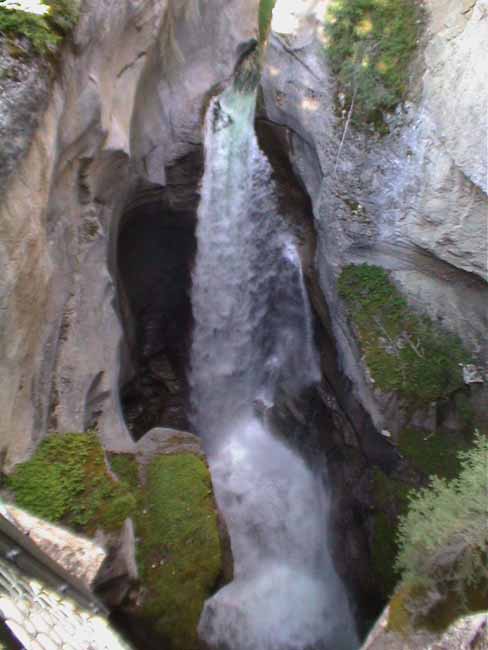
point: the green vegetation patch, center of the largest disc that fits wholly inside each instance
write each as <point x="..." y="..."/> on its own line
<point x="179" y="551"/>
<point x="370" y="45"/>
<point x="45" y="32"/>
<point x="67" y="481"/>
<point x="434" y="453"/>
<point x="265" y="15"/>
<point x="127" y="469"/>
<point x="429" y="454"/>
<point x="391" y="500"/>
<point x="443" y="542"/>
<point x="406" y="353"/>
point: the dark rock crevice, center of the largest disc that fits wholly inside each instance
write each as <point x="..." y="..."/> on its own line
<point x="337" y="426"/>
<point x="155" y="250"/>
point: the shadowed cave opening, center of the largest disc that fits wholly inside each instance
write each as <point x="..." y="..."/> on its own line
<point x="155" y="251"/>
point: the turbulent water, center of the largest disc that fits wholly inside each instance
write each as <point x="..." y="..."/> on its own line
<point x="252" y="336"/>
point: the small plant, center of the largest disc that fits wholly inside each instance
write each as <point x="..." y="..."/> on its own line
<point x="405" y="353"/>
<point x="370" y="44"/>
<point x="443" y="538"/>
<point x="44" y="32"/>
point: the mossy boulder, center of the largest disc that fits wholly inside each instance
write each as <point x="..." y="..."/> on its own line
<point x="179" y="553"/>
<point x="68" y="481"/>
<point x="181" y="547"/>
<point x="165" y="488"/>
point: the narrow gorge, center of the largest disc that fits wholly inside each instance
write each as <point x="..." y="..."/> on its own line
<point x="243" y="315"/>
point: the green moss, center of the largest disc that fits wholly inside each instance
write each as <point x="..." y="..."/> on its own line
<point x="391" y="500"/>
<point x="406" y="353"/>
<point x="400" y="617"/>
<point x="429" y="454"/>
<point x="370" y="44"/>
<point x="265" y="15"/>
<point x="67" y="481"/>
<point x="179" y="552"/>
<point x="412" y="608"/>
<point x="433" y="453"/>
<point x="46" y="32"/>
<point x="127" y="469"/>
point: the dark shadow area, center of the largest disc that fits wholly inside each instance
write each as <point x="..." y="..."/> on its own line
<point x="155" y="251"/>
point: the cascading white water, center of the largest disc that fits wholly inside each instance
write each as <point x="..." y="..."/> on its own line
<point x="252" y="335"/>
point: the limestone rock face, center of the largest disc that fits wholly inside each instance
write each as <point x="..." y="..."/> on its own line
<point x="414" y="201"/>
<point x="24" y="87"/>
<point x="126" y="104"/>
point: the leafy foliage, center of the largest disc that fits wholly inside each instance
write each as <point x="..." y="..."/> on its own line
<point x="179" y="552"/>
<point x="405" y="353"/>
<point x="67" y="481"/>
<point x="45" y="32"/>
<point x="443" y="540"/>
<point x="370" y="44"/>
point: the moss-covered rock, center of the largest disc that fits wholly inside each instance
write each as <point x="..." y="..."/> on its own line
<point x="179" y="554"/>
<point x="406" y="353"/>
<point x="67" y="481"/>
<point x="166" y="489"/>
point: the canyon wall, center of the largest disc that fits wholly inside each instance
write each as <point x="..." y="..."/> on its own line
<point x="126" y="102"/>
<point x="413" y="201"/>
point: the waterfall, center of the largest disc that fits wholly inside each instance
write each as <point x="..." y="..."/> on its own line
<point x="253" y="337"/>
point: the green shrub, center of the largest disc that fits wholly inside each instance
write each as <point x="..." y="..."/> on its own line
<point x="67" y="481"/>
<point x="45" y="32"/>
<point x="443" y="538"/>
<point x="370" y="44"/>
<point x="406" y="353"/>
